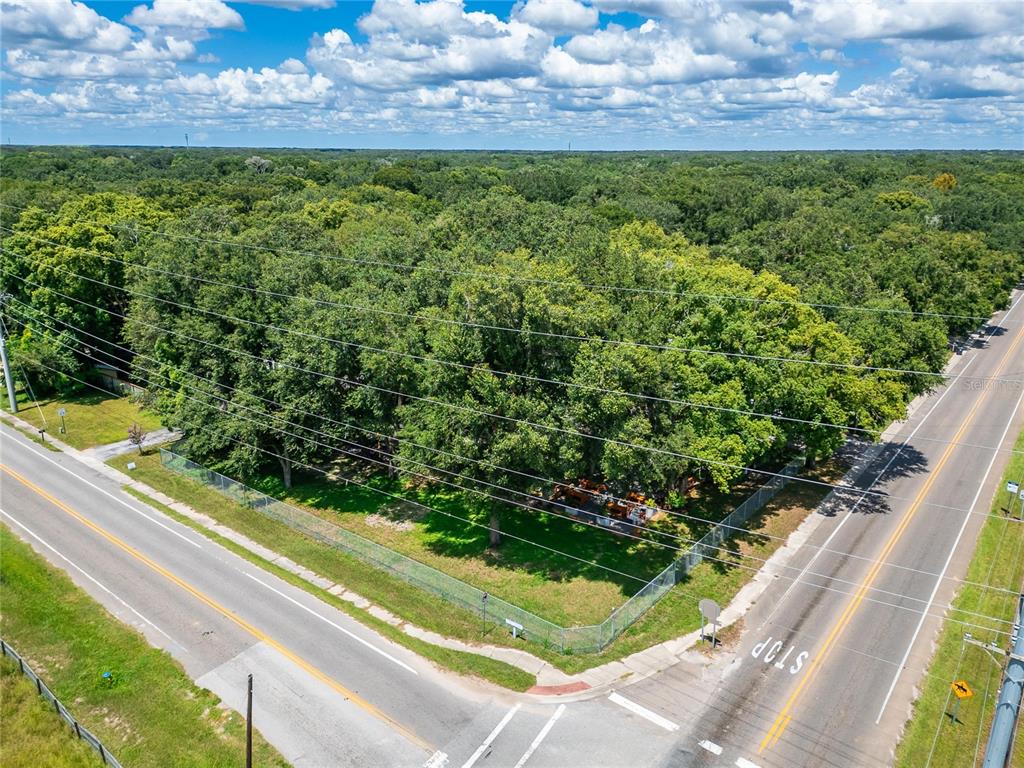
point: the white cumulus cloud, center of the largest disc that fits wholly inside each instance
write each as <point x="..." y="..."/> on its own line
<point x="199" y="15"/>
<point x="61" y="23"/>
<point x="559" y="17"/>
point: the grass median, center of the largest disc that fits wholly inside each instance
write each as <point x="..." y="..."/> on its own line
<point x="932" y="734"/>
<point x="149" y="713"/>
<point x="675" y="615"/>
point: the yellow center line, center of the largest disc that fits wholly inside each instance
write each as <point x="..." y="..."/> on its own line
<point x="783" y="719"/>
<point x="258" y="634"/>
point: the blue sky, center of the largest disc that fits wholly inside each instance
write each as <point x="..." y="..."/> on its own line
<point x="531" y="74"/>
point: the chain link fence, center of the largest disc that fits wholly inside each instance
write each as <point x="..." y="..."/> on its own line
<point x="80" y="730"/>
<point x="584" y="639"/>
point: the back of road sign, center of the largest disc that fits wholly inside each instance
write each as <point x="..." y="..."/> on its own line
<point x="709" y="610"/>
<point x="961" y="689"/>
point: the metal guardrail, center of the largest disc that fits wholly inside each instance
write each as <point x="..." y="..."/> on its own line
<point x="80" y="730"/>
<point x="591" y="638"/>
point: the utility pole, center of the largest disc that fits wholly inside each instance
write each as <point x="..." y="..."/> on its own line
<point x="248" y="726"/>
<point x="8" y="379"/>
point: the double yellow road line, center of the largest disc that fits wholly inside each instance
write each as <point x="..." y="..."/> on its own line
<point x="216" y="606"/>
<point x="784" y="717"/>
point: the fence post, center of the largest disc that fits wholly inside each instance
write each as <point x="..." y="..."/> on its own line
<point x="78" y="731"/>
<point x="103" y="754"/>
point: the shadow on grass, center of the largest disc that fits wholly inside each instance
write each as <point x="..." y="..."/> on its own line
<point x="455" y="524"/>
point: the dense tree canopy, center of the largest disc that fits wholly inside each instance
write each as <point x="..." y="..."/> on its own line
<point x="449" y="314"/>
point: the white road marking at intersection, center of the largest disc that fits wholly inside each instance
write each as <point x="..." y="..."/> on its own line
<point x="742" y="762"/>
<point x="632" y="706"/>
<point x="494" y="734"/>
<point x="710" y="746"/>
<point x="338" y="627"/>
<point x="540" y="736"/>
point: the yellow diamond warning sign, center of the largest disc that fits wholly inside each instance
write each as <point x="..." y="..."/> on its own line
<point x="962" y="689"/>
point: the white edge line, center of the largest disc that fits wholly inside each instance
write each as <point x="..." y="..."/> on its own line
<point x="493" y="735"/>
<point x="824" y="547"/>
<point x="710" y="746"/>
<point x="850" y="512"/>
<point x="78" y="568"/>
<point x="942" y="575"/>
<point x="338" y="627"/>
<point x="632" y="706"/>
<point x="122" y="502"/>
<point x="540" y="736"/>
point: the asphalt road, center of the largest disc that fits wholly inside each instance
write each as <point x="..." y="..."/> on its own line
<point x="823" y="674"/>
<point x="825" y="671"/>
<point x="327" y="690"/>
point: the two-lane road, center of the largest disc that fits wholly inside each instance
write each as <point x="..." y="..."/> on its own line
<point x="823" y="675"/>
<point x="825" y="672"/>
<point x="328" y="690"/>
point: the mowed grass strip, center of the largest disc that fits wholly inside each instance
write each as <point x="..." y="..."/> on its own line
<point x="31" y="733"/>
<point x="675" y="615"/>
<point x="998" y="561"/>
<point x="93" y="418"/>
<point x="495" y="671"/>
<point x="152" y="714"/>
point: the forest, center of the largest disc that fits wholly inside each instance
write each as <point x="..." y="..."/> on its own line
<point x="500" y="320"/>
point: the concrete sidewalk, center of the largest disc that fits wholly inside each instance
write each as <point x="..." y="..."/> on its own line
<point x="110" y="450"/>
<point x="551" y="681"/>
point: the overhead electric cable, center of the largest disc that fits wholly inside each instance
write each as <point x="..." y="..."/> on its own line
<point x="503" y="328"/>
<point x="371" y="449"/>
<point x="528" y="541"/>
<point x="454" y="406"/>
<point x="557" y="382"/>
<point x="28" y="315"/>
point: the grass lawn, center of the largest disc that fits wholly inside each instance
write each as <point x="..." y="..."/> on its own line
<point x="562" y="589"/>
<point x="676" y="614"/>
<point x="93" y="418"/>
<point x="153" y="715"/>
<point x="997" y="561"/>
<point x="31" y="733"/>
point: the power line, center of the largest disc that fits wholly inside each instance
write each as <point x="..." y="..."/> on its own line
<point x="27" y="316"/>
<point x="502" y="499"/>
<point x="534" y="543"/>
<point x="526" y="377"/>
<point x="542" y="380"/>
<point x="525" y="280"/>
<point x="504" y="328"/>
<point x="350" y="382"/>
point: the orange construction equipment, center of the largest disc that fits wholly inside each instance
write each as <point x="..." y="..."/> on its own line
<point x="583" y="492"/>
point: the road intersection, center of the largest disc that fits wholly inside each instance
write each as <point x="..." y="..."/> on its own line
<point x="823" y="674"/>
